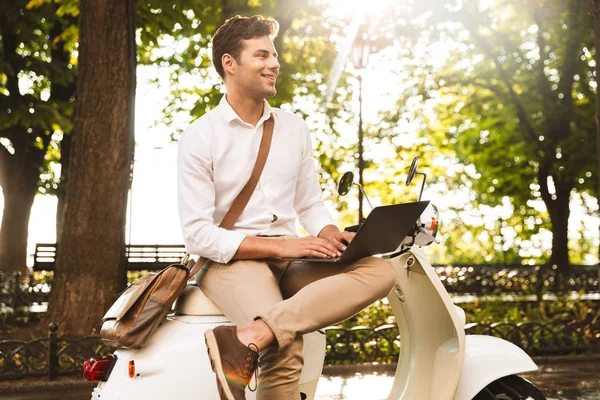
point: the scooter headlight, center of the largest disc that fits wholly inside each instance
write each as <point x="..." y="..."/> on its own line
<point x="429" y="223"/>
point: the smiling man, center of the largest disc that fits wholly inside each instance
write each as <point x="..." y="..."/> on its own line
<point x="273" y="302"/>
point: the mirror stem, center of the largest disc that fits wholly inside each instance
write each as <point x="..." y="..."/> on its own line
<point x="422" y="184"/>
<point x="364" y="195"/>
<point x="429" y="235"/>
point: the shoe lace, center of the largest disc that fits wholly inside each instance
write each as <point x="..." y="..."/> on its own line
<point x="253" y="360"/>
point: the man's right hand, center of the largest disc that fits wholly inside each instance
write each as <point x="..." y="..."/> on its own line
<point x="307" y="247"/>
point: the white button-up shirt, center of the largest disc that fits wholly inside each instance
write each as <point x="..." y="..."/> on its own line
<point x="216" y="156"/>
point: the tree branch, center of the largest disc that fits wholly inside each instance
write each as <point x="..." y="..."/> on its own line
<point x="229" y="10"/>
<point x="569" y="66"/>
<point x="61" y="59"/>
<point x="46" y="139"/>
<point x="5" y="157"/>
<point x="9" y="48"/>
<point x="561" y="129"/>
<point x="514" y="98"/>
<point x="542" y="176"/>
<point x="542" y="80"/>
<point x="476" y="83"/>
<point x="284" y="16"/>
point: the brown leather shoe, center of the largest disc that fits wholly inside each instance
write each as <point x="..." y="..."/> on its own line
<point x="233" y="362"/>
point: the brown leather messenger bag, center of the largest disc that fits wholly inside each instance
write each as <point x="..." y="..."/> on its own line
<point x="141" y="308"/>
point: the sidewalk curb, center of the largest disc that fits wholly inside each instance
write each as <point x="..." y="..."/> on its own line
<point x="566" y="359"/>
<point x="348" y="369"/>
<point x="24" y="385"/>
<point x="37" y="384"/>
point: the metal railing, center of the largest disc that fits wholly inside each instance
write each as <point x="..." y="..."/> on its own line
<point x="492" y="281"/>
<point x="17" y="290"/>
<point x="52" y="356"/>
<point x="523" y="280"/>
<point x="382" y="344"/>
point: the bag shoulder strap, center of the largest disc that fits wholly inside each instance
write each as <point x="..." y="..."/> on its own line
<point x="243" y="197"/>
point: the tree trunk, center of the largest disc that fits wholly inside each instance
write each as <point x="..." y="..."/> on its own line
<point x="61" y="191"/>
<point x="19" y="192"/>
<point x="88" y="273"/>
<point x="559" y="216"/>
<point x="61" y="92"/>
<point x="559" y="211"/>
<point x="19" y="169"/>
<point x="285" y="12"/>
<point x="596" y="14"/>
<point x="557" y="205"/>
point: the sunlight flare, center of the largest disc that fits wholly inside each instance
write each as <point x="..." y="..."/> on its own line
<point x="361" y="12"/>
<point x="360" y="7"/>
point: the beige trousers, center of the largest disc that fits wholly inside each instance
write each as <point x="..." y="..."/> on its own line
<point x="293" y="298"/>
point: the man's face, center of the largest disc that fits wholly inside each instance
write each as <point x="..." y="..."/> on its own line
<point x="255" y="72"/>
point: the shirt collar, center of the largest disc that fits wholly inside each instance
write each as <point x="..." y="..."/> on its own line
<point x="230" y="115"/>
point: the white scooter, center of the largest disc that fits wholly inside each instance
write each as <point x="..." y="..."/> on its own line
<point x="437" y="361"/>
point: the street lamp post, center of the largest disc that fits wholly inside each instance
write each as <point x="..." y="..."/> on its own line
<point x="360" y="58"/>
<point x="370" y="37"/>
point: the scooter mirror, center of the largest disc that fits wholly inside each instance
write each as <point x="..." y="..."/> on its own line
<point x="345" y="183"/>
<point x="412" y="171"/>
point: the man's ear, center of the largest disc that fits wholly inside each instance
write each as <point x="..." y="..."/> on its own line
<point x="229" y="63"/>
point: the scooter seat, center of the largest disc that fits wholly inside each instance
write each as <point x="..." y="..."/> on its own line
<point x="194" y="302"/>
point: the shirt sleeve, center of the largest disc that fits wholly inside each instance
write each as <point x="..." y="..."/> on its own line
<point x="308" y="201"/>
<point x="196" y="201"/>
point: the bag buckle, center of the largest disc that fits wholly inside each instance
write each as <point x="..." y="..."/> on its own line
<point x="185" y="259"/>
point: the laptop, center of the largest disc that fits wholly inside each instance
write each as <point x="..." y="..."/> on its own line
<point x="382" y="232"/>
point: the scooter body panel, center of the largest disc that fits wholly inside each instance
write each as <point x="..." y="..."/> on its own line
<point x="488" y="358"/>
<point x="174" y="364"/>
<point x="431" y="332"/>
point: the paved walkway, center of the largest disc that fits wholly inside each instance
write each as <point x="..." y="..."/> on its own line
<point x="564" y="374"/>
<point x="560" y="378"/>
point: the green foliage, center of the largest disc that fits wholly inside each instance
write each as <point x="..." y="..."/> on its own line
<point x="511" y="74"/>
<point x="505" y="91"/>
<point x="377" y="314"/>
<point x="517" y="104"/>
<point x="306" y="55"/>
<point x="562" y="310"/>
<point x="42" y="277"/>
<point x="37" y="74"/>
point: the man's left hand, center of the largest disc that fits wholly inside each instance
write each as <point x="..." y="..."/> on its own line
<point x="342" y="239"/>
<point x="339" y="239"/>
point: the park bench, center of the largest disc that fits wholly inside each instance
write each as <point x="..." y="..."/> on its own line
<point x="475" y="280"/>
<point x="139" y="256"/>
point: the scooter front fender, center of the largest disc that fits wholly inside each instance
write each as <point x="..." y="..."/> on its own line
<point x="488" y="358"/>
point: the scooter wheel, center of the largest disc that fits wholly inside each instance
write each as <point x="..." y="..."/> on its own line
<point x="511" y="387"/>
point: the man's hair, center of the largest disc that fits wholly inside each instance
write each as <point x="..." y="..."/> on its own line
<point x="230" y="36"/>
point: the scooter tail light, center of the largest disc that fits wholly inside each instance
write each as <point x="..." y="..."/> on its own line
<point x="131" y="368"/>
<point x="98" y="370"/>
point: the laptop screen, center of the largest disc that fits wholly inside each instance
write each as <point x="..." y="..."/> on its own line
<point x="383" y="230"/>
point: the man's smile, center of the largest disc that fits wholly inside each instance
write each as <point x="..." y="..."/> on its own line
<point x="270" y="77"/>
